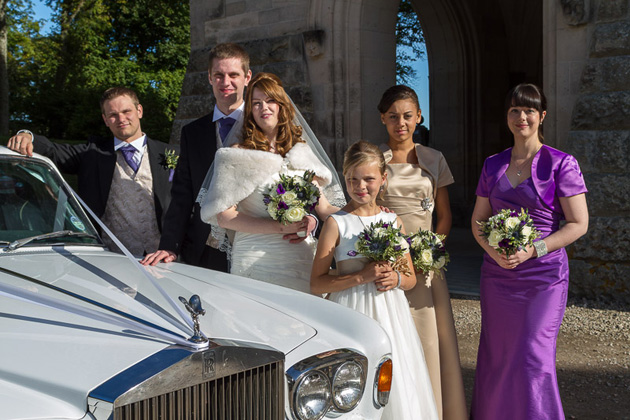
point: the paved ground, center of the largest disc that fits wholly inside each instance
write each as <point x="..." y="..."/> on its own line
<point x="466" y="255"/>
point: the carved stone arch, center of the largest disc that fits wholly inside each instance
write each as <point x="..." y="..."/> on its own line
<point x="350" y="54"/>
<point x="453" y="56"/>
<point x="353" y="62"/>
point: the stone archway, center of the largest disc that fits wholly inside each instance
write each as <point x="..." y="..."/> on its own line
<point x="338" y="56"/>
<point x="354" y="62"/>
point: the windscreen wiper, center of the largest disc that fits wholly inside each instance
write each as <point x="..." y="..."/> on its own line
<point x="60" y="233"/>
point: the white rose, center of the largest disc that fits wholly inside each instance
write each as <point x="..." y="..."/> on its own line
<point x="494" y="238"/>
<point x="512" y="222"/>
<point x="378" y="232"/>
<point x="301" y="181"/>
<point x="415" y="242"/>
<point x="440" y="263"/>
<point x="402" y="242"/>
<point x="273" y="211"/>
<point x="294" y="214"/>
<point x="427" y="257"/>
<point x="289" y="197"/>
<point x="527" y="231"/>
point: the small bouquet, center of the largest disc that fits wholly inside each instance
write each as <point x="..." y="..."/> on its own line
<point x="381" y="241"/>
<point x="292" y="198"/>
<point x="509" y="231"/>
<point x="427" y="251"/>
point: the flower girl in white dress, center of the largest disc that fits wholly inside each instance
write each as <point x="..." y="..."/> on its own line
<point x="374" y="288"/>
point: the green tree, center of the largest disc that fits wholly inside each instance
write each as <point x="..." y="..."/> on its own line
<point x="410" y="44"/>
<point x="23" y="35"/>
<point x="97" y="44"/>
<point x="4" y="74"/>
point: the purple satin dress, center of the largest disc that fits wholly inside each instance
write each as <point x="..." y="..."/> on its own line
<point x="522" y="309"/>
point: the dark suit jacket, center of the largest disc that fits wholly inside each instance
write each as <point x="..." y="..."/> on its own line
<point x="185" y="234"/>
<point x="94" y="163"/>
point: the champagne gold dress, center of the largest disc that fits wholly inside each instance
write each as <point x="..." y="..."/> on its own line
<point x="411" y="191"/>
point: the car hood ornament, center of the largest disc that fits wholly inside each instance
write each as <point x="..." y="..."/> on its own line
<point x="194" y="307"/>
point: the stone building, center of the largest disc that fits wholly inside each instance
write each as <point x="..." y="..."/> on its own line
<point x="336" y="57"/>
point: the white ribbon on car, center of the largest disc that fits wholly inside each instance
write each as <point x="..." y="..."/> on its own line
<point x="117" y="317"/>
<point x="54" y="303"/>
<point x="185" y="316"/>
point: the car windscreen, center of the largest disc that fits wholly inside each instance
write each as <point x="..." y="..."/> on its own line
<point x="34" y="200"/>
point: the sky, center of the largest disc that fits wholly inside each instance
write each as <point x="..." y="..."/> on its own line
<point x="421" y="84"/>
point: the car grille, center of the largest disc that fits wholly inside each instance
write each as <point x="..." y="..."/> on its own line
<point x="229" y="380"/>
<point x="255" y="394"/>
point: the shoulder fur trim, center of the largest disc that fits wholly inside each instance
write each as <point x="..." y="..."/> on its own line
<point x="237" y="173"/>
<point x="302" y="157"/>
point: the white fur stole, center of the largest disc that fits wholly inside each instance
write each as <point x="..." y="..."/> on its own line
<point x="238" y="172"/>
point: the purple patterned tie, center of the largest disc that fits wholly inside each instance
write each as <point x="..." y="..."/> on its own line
<point x="128" y="152"/>
<point x="225" y="125"/>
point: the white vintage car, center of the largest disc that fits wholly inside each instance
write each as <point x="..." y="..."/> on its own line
<point x="86" y="333"/>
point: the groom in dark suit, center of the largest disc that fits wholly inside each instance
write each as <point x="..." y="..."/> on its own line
<point x="184" y="234"/>
<point x="123" y="178"/>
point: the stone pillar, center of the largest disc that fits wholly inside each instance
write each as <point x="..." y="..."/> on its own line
<point x="599" y="138"/>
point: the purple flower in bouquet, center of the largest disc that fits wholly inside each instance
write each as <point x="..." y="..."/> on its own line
<point x="428" y="252"/>
<point x="509" y="231"/>
<point x="290" y="199"/>
<point x="382" y="241"/>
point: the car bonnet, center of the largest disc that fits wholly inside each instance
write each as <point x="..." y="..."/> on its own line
<point x="52" y="358"/>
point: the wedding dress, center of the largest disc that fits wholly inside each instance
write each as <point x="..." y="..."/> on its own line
<point x="411" y="396"/>
<point x="241" y="177"/>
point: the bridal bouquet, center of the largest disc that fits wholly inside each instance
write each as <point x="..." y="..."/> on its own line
<point x="381" y="241"/>
<point x="427" y="251"/>
<point x="509" y="231"/>
<point x="292" y="198"/>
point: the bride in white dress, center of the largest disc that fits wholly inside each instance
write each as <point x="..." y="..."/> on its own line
<point x="374" y="289"/>
<point x="262" y="248"/>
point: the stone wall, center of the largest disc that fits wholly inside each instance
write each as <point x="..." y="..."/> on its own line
<point x="600" y="139"/>
<point x="337" y="56"/>
<point x="270" y="31"/>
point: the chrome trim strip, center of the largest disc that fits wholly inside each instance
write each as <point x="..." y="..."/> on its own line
<point x="176" y="367"/>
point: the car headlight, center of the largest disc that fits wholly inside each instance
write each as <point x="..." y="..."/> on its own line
<point x="312" y="396"/>
<point x="347" y="386"/>
<point x="328" y="382"/>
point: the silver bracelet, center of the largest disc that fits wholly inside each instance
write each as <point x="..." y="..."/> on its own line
<point x="26" y="132"/>
<point x="541" y="248"/>
<point x="399" y="279"/>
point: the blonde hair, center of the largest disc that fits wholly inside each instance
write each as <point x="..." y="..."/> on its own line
<point x="363" y="153"/>
<point x="288" y="133"/>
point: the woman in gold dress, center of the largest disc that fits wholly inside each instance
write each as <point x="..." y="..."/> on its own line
<point x="417" y="180"/>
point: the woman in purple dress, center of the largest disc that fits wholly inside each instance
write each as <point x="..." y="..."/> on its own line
<point x="523" y="296"/>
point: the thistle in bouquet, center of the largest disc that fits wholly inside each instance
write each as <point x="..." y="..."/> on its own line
<point x="382" y="241"/>
<point x="292" y="198"/>
<point x="509" y="231"/>
<point x="428" y="252"/>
